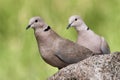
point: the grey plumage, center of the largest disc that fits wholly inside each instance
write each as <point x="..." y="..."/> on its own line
<point x="87" y="38"/>
<point x="55" y="50"/>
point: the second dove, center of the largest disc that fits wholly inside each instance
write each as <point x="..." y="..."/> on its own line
<point x="87" y="38"/>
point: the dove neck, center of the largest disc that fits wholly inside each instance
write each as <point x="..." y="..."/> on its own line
<point x="45" y="37"/>
<point x="82" y="27"/>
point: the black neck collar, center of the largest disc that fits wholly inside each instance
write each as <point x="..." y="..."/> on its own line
<point x="47" y="29"/>
<point x="88" y="28"/>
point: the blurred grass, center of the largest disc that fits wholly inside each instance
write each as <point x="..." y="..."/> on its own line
<point x="19" y="56"/>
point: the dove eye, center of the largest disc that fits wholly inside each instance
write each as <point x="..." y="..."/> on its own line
<point x="36" y="20"/>
<point x="75" y="19"/>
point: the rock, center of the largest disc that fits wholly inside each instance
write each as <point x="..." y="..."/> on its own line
<point x="98" y="67"/>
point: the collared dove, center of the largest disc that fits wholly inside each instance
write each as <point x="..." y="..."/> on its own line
<point x="55" y="50"/>
<point x="87" y="38"/>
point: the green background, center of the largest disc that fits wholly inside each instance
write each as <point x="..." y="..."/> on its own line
<point x="19" y="56"/>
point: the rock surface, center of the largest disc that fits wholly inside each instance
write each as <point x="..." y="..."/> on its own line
<point x="98" y="67"/>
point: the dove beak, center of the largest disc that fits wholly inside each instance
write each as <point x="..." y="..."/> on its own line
<point x="69" y="25"/>
<point x="28" y="27"/>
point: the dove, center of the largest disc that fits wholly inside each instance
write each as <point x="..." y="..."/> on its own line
<point x="55" y="50"/>
<point x="88" y="38"/>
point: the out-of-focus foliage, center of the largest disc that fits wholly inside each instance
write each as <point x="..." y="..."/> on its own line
<point x="19" y="56"/>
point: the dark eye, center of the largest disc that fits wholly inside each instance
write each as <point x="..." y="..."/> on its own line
<point x="36" y="20"/>
<point x="75" y="19"/>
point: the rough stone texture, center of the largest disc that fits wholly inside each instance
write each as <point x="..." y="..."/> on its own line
<point x="98" y="67"/>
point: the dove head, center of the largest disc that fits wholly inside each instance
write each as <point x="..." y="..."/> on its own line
<point x="36" y="22"/>
<point x="74" y="21"/>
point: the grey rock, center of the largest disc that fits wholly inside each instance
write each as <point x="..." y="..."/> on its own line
<point x="98" y="67"/>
